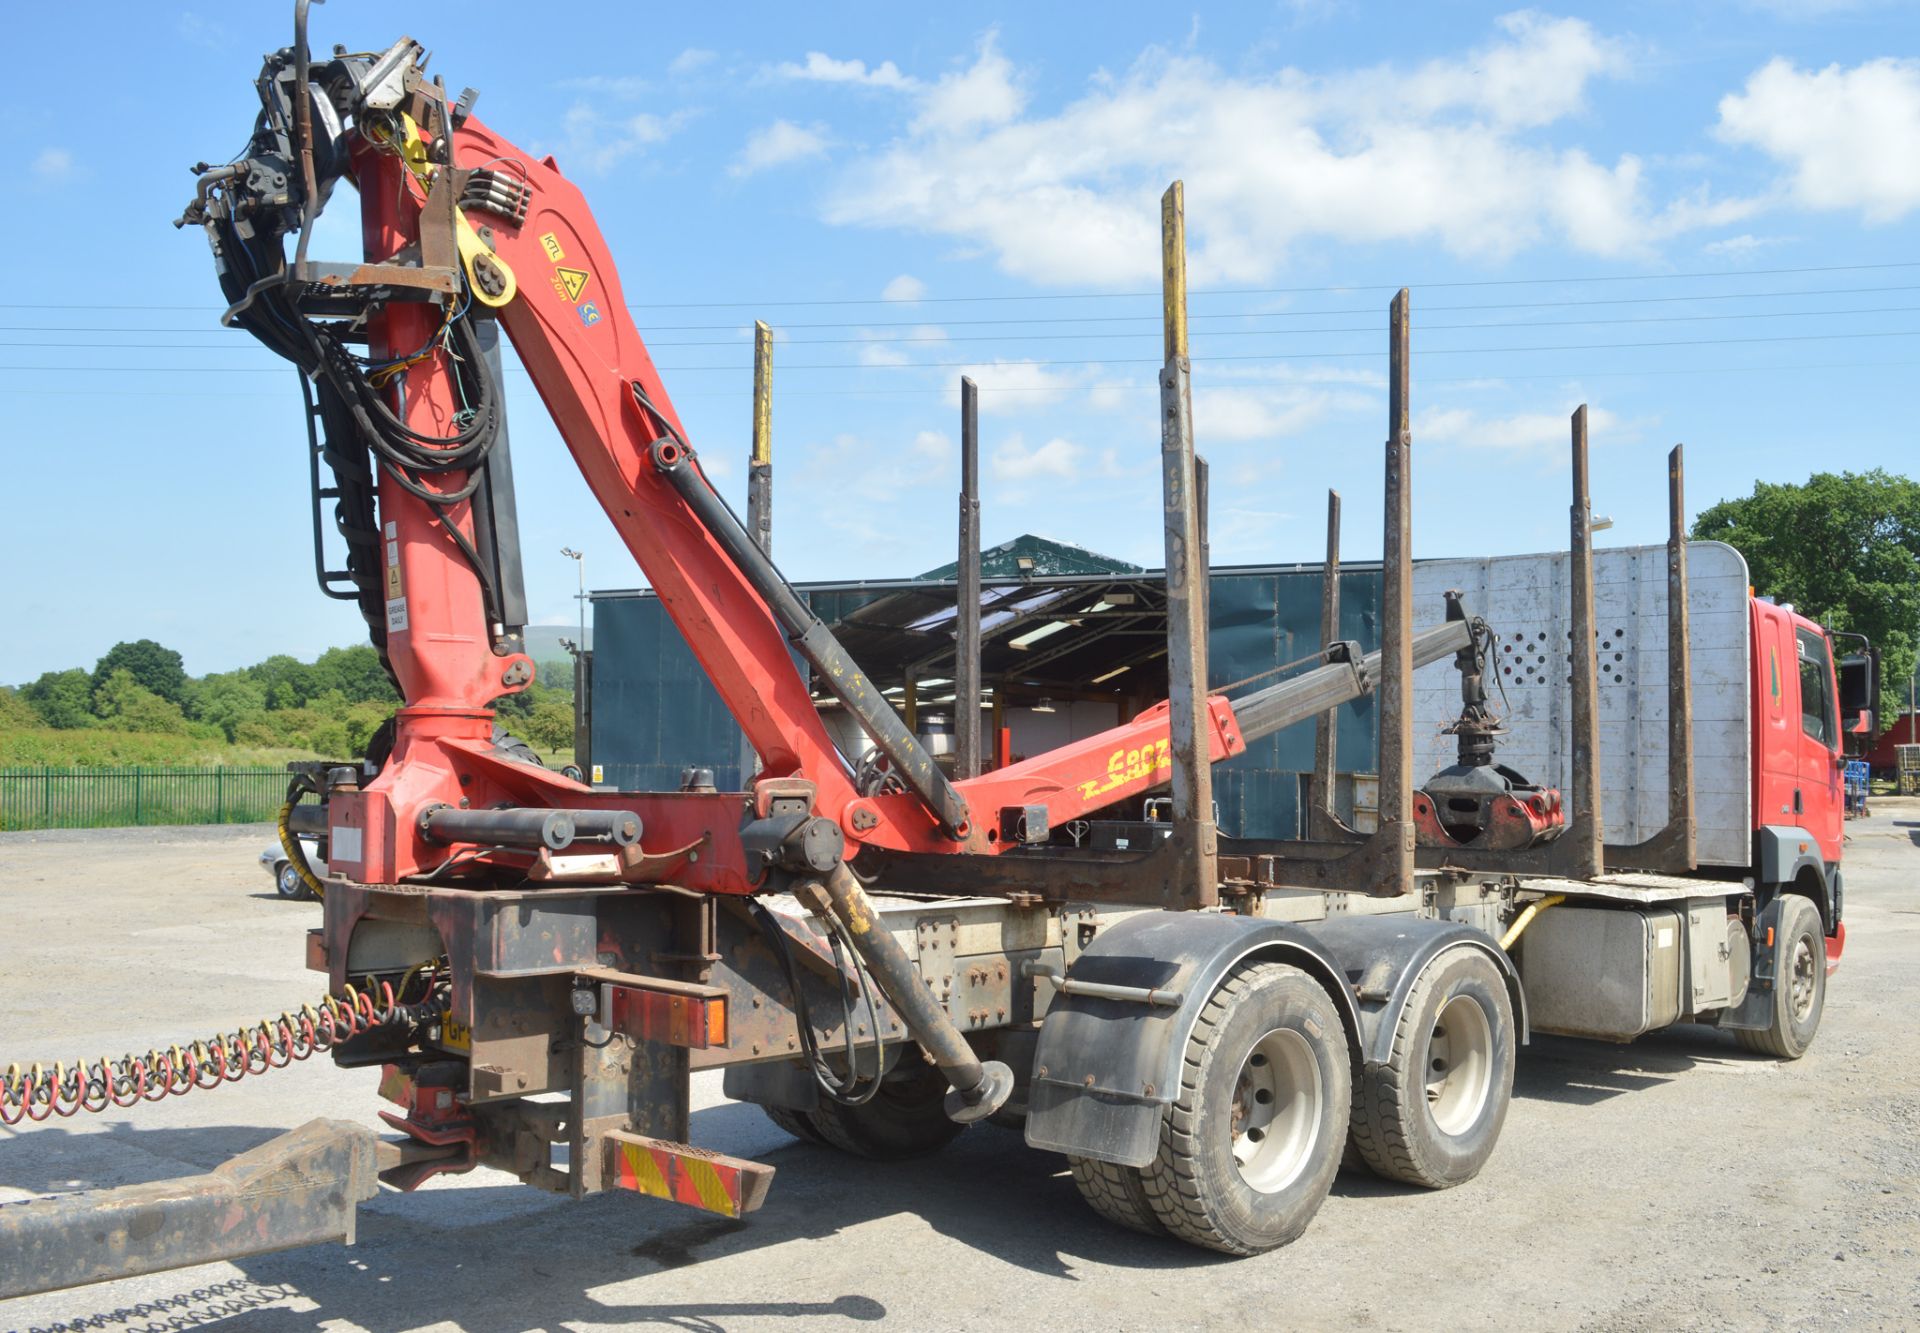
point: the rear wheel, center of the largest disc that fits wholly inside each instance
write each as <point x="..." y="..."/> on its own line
<point x="1432" y="1115"/>
<point x="287" y="880"/>
<point x="1799" y="983"/>
<point x="1117" y="1193"/>
<point x="906" y="1118"/>
<point x="795" y="1123"/>
<point x="1251" y="1144"/>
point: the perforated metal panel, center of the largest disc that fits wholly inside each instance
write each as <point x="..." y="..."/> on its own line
<point x="1524" y="598"/>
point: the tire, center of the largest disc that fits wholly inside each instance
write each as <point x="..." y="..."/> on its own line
<point x="1251" y="1144"/>
<point x="795" y="1123"/>
<point x="906" y="1118"/>
<point x="1432" y="1115"/>
<point x="1117" y="1193"/>
<point x="286" y="879"/>
<point x="1800" y="983"/>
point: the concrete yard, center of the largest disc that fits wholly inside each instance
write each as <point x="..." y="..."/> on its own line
<point x="1674" y="1183"/>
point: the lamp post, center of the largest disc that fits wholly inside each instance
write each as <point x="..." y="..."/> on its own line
<point x="579" y="559"/>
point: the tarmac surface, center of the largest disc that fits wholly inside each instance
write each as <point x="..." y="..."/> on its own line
<point x="1674" y="1183"/>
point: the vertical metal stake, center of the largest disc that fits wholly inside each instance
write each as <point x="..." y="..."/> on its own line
<point x="1680" y="809"/>
<point x="759" y="481"/>
<point x="1584" y="832"/>
<point x="966" y="628"/>
<point x="1326" y="726"/>
<point x="1396" y="610"/>
<point x="1186" y="599"/>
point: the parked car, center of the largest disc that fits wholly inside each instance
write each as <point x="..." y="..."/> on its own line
<point x="286" y="878"/>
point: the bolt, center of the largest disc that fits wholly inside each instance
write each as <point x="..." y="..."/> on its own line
<point x="756" y="1048"/>
<point x="1088" y="1080"/>
<point x="1041" y="1071"/>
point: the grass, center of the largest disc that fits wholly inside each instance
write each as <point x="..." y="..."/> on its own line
<point x="22" y="747"/>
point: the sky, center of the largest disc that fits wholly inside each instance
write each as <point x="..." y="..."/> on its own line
<point x="1700" y="220"/>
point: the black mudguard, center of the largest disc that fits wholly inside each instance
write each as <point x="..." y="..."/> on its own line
<point x="1105" y="1070"/>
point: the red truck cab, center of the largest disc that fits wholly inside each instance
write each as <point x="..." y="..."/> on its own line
<point x="1798" y="761"/>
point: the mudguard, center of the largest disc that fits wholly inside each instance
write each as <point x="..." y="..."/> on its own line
<point x="1105" y="1070"/>
<point x="1382" y="957"/>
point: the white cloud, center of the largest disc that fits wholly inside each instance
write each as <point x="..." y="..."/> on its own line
<point x="1521" y="431"/>
<point x="984" y="94"/>
<point x="55" y="166"/>
<point x="1233" y="414"/>
<point x="1012" y="386"/>
<point x="690" y="60"/>
<point x="932" y="445"/>
<point x="1451" y="152"/>
<point x="599" y="142"/>
<point x="1742" y="246"/>
<point x="1013" y="461"/>
<point x="906" y="287"/>
<point x="1849" y="138"/>
<point x="778" y="144"/>
<point x="823" y="68"/>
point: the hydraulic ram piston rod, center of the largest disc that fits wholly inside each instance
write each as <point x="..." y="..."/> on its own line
<point x="1280" y="706"/>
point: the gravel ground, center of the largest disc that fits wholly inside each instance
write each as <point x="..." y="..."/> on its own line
<point x="1674" y="1183"/>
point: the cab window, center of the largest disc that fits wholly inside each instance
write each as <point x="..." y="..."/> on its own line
<point x="1817" y="717"/>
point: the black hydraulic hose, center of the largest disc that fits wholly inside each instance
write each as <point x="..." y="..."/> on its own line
<point x="847" y="1091"/>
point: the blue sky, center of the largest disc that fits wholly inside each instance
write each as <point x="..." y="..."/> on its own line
<point x="1699" y="219"/>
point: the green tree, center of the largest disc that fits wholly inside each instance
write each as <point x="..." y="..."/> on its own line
<point x="15" y="712"/>
<point x="124" y="704"/>
<point x="226" y="700"/>
<point x="1845" y="550"/>
<point x="549" y="726"/>
<point x="287" y="680"/>
<point x="158" y="669"/>
<point x="63" y="699"/>
<point x="355" y="672"/>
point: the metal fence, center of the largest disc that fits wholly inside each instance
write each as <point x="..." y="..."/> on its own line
<point x="53" y="798"/>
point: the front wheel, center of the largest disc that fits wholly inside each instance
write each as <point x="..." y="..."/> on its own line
<point x="1250" y="1146"/>
<point x="287" y="880"/>
<point x="1799" y="983"/>
<point x="1431" y="1115"/>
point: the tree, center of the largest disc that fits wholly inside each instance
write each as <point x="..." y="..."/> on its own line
<point x="158" y="669"/>
<point x="124" y="704"/>
<point x="15" y="712"/>
<point x="287" y="680"/>
<point x="226" y="700"/>
<point x="356" y="673"/>
<point x="1845" y="550"/>
<point x="63" y="699"/>
<point x="550" y="725"/>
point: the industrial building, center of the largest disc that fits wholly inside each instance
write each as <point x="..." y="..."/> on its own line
<point x="1072" y="642"/>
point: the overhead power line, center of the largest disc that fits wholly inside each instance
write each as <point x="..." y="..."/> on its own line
<point x="1564" y="280"/>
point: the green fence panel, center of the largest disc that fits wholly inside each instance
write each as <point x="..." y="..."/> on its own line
<point x="57" y="798"/>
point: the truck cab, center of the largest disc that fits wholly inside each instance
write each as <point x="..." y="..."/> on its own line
<point x="1799" y="763"/>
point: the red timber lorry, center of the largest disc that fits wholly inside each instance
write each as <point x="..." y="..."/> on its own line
<point x="1646" y="831"/>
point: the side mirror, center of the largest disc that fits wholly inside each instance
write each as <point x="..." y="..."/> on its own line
<point x="1862" y="724"/>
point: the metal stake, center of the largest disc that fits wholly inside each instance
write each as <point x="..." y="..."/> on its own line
<point x="760" y="482"/>
<point x="1586" y="859"/>
<point x="1326" y="726"/>
<point x="1396" y="612"/>
<point x="966" y="628"/>
<point x="1680" y="811"/>
<point x="1192" y="776"/>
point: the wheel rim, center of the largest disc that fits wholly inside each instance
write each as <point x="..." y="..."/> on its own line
<point x="289" y="881"/>
<point x="1459" y="1065"/>
<point x="1805" y="979"/>
<point x="1277" y="1105"/>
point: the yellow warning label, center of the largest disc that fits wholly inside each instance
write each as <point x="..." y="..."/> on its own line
<point x="393" y="580"/>
<point x="551" y="244"/>
<point x="570" y="282"/>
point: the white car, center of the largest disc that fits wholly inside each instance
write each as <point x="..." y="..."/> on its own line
<point x="287" y="879"/>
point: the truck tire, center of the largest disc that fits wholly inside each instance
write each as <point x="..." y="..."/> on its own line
<point x="795" y="1123"/>
<point x="1799" y="983"/>
<point x="1251" y="1144"/>
<point x="906" y="1118"/>
<point x="1117" y="1193"/>
<point x="1432" y="1114"/>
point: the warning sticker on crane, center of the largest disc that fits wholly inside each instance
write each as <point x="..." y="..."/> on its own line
<point x="570" y="282"/>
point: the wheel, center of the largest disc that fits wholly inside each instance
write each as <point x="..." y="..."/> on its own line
<point x="795" y="1123"/>
<point x="1117" y="1193"/>
<point x="287" y="880"/>
<point x="1250" y="1146"/>
<point x="1433" y="1113"/>
<point x="1799" y="983"/>
<point x="906" y="1118"/>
